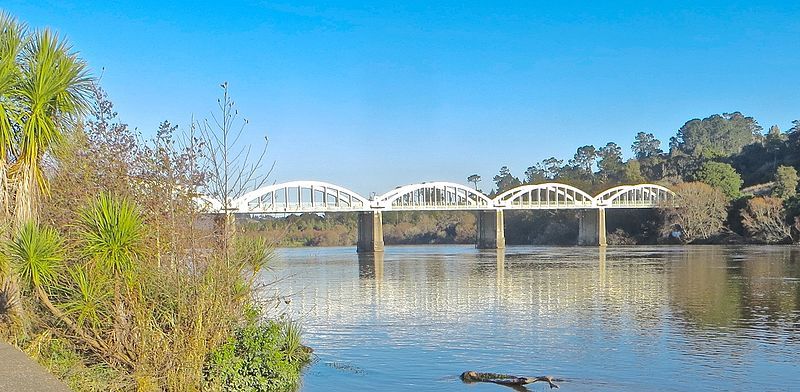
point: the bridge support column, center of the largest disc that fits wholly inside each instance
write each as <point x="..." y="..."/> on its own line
<point x="491" y="232"/>
<point x="592" y="227"/>
<point x="370" y="232"/>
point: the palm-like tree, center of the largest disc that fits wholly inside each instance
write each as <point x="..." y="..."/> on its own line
<point x="112" y="232"/>
<point x="12" y="40"/>
<point x="53" y="89"/>
<point x="36" y="254"/>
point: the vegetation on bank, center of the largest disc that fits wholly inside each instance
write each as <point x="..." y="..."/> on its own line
<point x="736" y="184"/>
<point x="109" y="275"/>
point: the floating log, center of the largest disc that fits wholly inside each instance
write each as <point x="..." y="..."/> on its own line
<point x="506" y="379"/>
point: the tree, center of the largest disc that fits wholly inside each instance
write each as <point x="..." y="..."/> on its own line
<point x="774" y="143"/>
<point x="610" y="163"/>
<point x="653" y="167"/>
<point x="765" y="219"/>
<point x="717" y="135"/>
<point x="584" y="159"/>
<point x="535" y="174"/>
<point x="552" y="167"/>
<point x="633" y="172"/>
<point x="721" y="176"/>
<point x="700" y="210"/>
<point x="504" y="180"/>
<point x="646" y="145"/>
<point x="11" y="42"/>
<point x="52" y="89"/>
<point x="475" y="179"/>
<point x="785" y="182"/>
<point x="235" y="168"/>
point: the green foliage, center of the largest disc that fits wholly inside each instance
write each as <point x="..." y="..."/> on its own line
<point x="252" y="253"/>
<point x="187" y="289"/>
<point x="505" y="181"/>
<point x="610" y="164"/>
<point x="66" y="362"/>
<point x="646" y="145"/>
<point x="721" y="176"/>
<point x="717" y="135"/>
<point x="785" y="182"/>
<point x="89" y="302"/>
<point x="52" y="87"/>
<point x="260" y="357"/>
<point x="112" y="234"/>
<point x="474" y="179"/>
<point x="583" y="160"/>
<point x="11" y="42"/>
<point x="36" y="254"/>
<point x="633" y="172"/>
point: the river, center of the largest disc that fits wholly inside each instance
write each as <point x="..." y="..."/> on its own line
<point x="700" y="318"/>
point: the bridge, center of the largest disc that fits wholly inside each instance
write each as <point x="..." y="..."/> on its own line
<point x="322" y="197"/>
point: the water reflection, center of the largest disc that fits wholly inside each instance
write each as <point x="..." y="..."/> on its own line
<point x="622" y="318"/>
<point x="370" y="265"/>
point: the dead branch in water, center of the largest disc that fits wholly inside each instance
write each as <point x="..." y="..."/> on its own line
<point x="506" y="379"/>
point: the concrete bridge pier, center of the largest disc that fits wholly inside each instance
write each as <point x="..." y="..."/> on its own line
<point x="491" y="231"/>
<point x="592" y="227"/>
<point x="370" y="232"/>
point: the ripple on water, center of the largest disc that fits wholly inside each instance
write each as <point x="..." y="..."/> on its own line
<point x="629" y="319"/>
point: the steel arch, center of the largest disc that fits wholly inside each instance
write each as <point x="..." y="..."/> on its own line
<point x="300" y="196"/>
<point x="434" y="196"/>
<point x="544" y="196"/>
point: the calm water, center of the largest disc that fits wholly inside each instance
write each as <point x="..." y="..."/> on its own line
<point x="626" y="319"/>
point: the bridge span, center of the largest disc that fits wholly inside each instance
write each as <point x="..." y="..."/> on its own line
<point x="321" y="197"/>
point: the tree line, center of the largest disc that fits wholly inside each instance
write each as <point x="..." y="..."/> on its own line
<point x="736" y="183"/>
<point x="733" y="180"/>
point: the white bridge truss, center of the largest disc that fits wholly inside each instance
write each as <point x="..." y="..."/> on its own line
<point x="544" y="196"/>
<point x="321" y="197"/>
<point x="434" y="196"/>
<point x="300" y="196"/>
<point x="635" y="196"/>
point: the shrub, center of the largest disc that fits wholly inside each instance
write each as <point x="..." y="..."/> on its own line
<point x="765" y="219"/>
<point x="262" y="356"/>
<point x="721" y="176"/>
<point x="700" y="210"/>
<point x="785" y="182"/>
<point x="620" y="237"/>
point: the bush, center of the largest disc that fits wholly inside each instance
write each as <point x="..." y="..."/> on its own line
<point x="785" y="182"/>
<point x="700" y="211"/>
<point x="765" y="219"/>
<point x="262" y="356"/>
<point x="721" y="176"/>
<point x="620" y="237"/>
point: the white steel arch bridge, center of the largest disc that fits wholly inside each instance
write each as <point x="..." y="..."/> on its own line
<point x="321" y="197"/>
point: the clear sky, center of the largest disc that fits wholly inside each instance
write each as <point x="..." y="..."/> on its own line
<point x="377" y="94"/>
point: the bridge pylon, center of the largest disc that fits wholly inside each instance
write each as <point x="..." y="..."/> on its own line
<point x="592" y="227"/>
<point x="491" y="231"/>
<point x="370" y="232"/>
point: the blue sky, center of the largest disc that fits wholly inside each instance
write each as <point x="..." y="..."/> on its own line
<point x="373" y="95"/>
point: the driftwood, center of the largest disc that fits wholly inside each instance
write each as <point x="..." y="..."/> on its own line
<point x="506" y="379"/>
